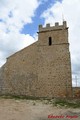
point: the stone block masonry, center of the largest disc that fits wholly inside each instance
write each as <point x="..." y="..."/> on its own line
<point x="42" y="69"/>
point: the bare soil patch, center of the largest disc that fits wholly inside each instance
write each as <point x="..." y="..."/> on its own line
<point x="11" y="109"/>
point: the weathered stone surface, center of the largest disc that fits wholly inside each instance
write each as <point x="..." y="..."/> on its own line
<point x="40" y="70"/>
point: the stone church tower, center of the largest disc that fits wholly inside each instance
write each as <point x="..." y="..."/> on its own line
<point x="54" y="63"/>
<point x="42" y="69"/>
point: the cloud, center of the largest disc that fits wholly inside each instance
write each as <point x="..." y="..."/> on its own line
<point x="14" y="14"/>
<point x="11" y="43"/>
<point x="71" y="10"/>
<point x="17" y="13"/>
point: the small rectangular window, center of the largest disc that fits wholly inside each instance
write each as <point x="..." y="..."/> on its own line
<point x="50" y="41"/>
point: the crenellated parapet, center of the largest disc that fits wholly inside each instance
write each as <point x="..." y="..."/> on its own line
<point x="55" y="27"/>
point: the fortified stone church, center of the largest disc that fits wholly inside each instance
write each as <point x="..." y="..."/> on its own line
<point x="42" y="69"/>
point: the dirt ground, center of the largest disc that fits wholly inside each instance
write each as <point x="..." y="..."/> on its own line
<point x="11" y="109"/>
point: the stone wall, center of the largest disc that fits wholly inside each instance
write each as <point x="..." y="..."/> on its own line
<point x="20" y="71"/>
<point x="40" y="70"/>
<point x="54" y="66"/>
<point x="76" y="92"/>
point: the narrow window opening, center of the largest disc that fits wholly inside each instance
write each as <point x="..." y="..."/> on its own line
<point x="50" y="41"/>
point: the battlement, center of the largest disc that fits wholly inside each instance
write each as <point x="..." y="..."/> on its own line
<point x="50" y="28"/>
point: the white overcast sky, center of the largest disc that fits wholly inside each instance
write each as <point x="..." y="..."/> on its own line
<point x="15" y="14"/>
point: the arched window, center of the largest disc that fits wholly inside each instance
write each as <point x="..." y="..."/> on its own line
<point x="50" y="41"/>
